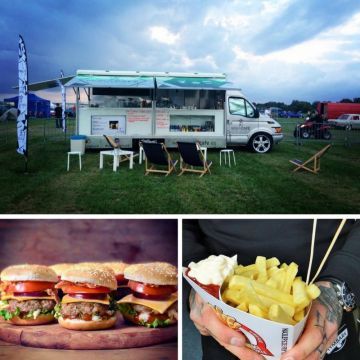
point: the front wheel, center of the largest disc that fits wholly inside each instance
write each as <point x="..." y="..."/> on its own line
<point x="305" y="134"/>
<point x="261" y="143"/>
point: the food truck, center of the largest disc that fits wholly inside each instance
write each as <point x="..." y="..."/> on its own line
<point x="168" y="107"/>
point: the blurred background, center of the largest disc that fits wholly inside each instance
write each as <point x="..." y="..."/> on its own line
<point x="52" y="241"/>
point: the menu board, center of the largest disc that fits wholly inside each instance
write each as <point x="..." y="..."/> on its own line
<point x="108" y="125"/>
<point x="162" y="119"/>
<point x="138" y="115"/>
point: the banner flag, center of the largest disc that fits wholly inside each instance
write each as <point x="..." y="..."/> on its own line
<point x="22" y="119"/>
<point x="63" y="97"/>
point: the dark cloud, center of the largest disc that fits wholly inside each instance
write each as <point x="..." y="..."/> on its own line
<point x="301" y="21"/>
<point x="115" y="35"/>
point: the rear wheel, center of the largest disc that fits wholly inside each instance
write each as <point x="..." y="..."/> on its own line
<point x="261" y="143"/>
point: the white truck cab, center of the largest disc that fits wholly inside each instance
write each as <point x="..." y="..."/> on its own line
<point x="246" y="126"/>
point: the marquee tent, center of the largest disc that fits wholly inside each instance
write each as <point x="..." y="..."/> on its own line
<point x="38" y="107"/>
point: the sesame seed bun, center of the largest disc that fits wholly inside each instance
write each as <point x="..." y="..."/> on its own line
<point x="76" y="324"/>
<point x="100" y="276"/>
<point x="60" y="268"/>
<point x="157" y="273"/>
<point x="118" y="267"/>
<point x="28" y="272"/>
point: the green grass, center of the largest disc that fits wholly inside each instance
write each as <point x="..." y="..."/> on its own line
<point x="258" y="184"/>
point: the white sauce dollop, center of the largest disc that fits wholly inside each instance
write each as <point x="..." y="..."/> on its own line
<point x="213" y="270"/>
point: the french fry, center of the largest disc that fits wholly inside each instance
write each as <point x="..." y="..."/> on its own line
<point x="243" y="307"/>
<point x="290" y="310"/>
<point x="272" y="283"/>
<point x="299" y="292"/>
<point x="239" y="282"/>
<point x="276" y="313"/>
<point x="260" y="263"/>
<point x="291" y="272"/>
<point x="298" y="316"/>
<point x="233" y="296"/>
<point x="272" y="262"/>
<point x="312" y="291"/>
<point x="279" y="277"/>
<point x="255" y="310"/>
<point x="253" y="298"/>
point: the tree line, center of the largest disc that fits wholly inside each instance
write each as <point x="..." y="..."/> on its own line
<point x="298" y="105"/>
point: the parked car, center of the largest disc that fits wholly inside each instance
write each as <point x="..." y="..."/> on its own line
<point x="349" y="121"/>
<point x="293" y="114"/>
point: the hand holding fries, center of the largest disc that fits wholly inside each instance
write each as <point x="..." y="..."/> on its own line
<point x="270" y="290"/>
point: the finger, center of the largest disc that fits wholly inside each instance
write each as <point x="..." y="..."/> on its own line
<point x="243" y="353"/>
<point x="309" y="342"/>
<point x="221" y="332"/>
<point x="202" y="330"/>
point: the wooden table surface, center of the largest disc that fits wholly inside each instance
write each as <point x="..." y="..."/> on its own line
<point x="167" y="351"/>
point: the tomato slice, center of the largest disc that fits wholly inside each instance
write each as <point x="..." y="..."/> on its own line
<point x="29" y="286"/>
<point x="74" y="289"/>
<point x="121" y="280"/>
<point x="155" y="290"/>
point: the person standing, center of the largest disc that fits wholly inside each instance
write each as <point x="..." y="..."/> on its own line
<point x="58" y="116"/>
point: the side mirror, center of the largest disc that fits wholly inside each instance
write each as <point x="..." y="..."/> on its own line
<point x="256" y="114"/>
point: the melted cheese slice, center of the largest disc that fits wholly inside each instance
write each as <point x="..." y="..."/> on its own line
<point x="158" y="305"/>
<point x="24" y="298"/>
<point x="67" y="299"/>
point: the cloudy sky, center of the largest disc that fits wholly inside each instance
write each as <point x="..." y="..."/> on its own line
<point x="275" y="49"/>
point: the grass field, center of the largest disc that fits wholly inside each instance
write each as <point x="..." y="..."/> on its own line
<point x="258" y="184"/>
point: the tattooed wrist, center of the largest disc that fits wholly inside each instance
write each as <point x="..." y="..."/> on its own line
<point x="328" y="298"/>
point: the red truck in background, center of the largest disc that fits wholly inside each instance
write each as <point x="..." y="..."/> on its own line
<point x="331" y="110"/>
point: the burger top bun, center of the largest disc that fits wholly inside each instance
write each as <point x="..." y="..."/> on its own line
<point x="90" y="274"/>
<point x="60" y="268"/>
<point x="117" y="266"/>
<point x="28" y="272"/>
<point x="157" y="273"/>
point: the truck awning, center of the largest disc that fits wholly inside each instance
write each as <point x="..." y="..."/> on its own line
<point x="107" y="81"/>
<point x="192" y="83"/>
<point x="47" y="84"/>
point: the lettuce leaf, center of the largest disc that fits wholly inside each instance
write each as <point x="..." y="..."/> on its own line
<point x="126" y="309"/>
<point x="8" y="315"/>
<point x="159" y="323"/>
<point x="57" y="311"/>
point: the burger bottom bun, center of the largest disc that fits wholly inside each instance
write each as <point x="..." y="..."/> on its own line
<point x="132" y="319"/>
<point x="75" y="324"/>
<point x="41" y="319"/>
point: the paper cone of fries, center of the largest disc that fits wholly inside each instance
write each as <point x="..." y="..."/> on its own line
<point x="268" y="338"/>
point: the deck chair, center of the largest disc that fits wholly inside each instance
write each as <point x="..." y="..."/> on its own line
<point x="191" y="156"/>
<point x="312" y="164"/>
<point x="116" y="146"/>
<point x="156" y="154"/>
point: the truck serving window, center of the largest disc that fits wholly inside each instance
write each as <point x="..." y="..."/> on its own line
<point x="240" y="106"/>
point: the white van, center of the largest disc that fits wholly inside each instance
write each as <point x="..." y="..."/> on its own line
<point x="169" y="107"/>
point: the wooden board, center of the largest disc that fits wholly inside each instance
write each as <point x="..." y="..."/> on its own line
<point x="53" y="336"/>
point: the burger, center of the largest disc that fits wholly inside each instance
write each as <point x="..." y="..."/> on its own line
<point x="153" y="302"/>
<point x="86" y="303"/>
<point x="28" y="296"/>
<point x="60" y="268"/>
<point x="122" y="283"/>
